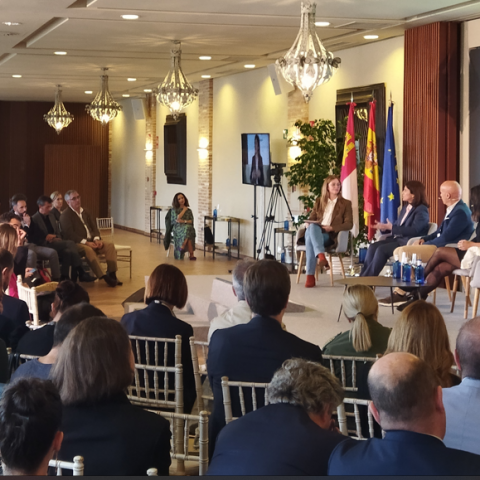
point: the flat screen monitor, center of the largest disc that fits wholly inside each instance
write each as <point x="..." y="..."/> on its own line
<point x="256" y="159"/>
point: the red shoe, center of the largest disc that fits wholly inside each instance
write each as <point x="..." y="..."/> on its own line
<point x="323" y="263"/>
<point x="193" y="258"/>
<point x="310" y="282"/>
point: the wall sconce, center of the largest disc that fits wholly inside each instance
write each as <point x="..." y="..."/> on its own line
<point x="202" y="150"/>
<point x="149" y="152"/>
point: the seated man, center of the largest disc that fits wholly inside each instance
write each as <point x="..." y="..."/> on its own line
<point x="254" y="351"/>
<point x="407" y="403"/>
<point x="462" y="402"/>
<point x="293" y="435"/>
<point x="46" y="234"/>
<point x="77" y="225"/>
<point x="35" y="252"/>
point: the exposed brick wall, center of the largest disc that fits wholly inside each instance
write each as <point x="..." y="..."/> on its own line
<point x="205" y="129"/>
<point x="150" y="162"/>
<point x="110" y="137"/>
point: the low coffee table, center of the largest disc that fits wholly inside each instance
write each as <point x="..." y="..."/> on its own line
<point x="388" y="282"/>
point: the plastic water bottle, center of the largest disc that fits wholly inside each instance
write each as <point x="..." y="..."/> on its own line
<point x="282" y="256"/>
<point x="397" y="268"/>
<point x="406" y="269"/>
<point x="285" y="224"/>
<point x="214" y="213"/>
<point x="419" y="273"/>
<point x="235" y="242"/>
<point x="227" y="242"/>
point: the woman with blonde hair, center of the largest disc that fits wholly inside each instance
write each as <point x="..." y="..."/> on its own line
<point x="421" y="330"/>
<point x="331" y="214"/>
<point x="367" y="337"/>
<point x="57" y="199"/>
<point x="9" y="241"/>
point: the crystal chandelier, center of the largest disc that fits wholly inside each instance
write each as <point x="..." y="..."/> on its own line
<point x="104" y="108"/>
<point x="307" y="64"/>
<point x="175" y="92"/>
<point x="58" y="117"/>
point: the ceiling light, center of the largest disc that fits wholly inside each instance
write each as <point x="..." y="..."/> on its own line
<point x="249" y="66"/>
<point x="60" y="53"/>
<point x="206" y="76"/>
<point x="307" y="64"/>
<point x="58" y="117"/>
<point x="322" y="24"/>
<point x="126" y="95"/>
<point x="130" y="17"/>
<point x="103" y="108"/>
<point x="147" y="90"/>
<point x="205" y="57"/>
<point x="131" y="79"/>
<point x="11" y="24"/>
<point x="176" y="92"/>
<point x="16" y="76"/>
<point x="370" y="37"/>
<point x="88" y="92"/>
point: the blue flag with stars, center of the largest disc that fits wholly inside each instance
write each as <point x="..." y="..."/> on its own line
<point x="390" y="195"/>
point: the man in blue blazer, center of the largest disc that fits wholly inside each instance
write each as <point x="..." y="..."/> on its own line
<point x="412" y="222"/>
<point x="407" y="402"/>
<point x="253" y="352"/>
<point x="292" y="435"/>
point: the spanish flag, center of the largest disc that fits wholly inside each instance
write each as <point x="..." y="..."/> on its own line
<point x="348" y="174"/>
<point x="371" y="182"/>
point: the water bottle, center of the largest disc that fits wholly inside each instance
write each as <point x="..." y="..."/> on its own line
<point x="397" y="269"/>
<point x="227" y="242"/>
<point x="285" y="224"/>
<point x="279" y="253"/>
<point x="282" y="256"/>
<point x="214" y="213"/>
<point x="406" y="269"/>
<point x="419" y="273"/>
<point x="235" y="242"/>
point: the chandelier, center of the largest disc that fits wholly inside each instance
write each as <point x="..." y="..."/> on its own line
<point x="104" y="108"/>
<point x="307" y="64"/>
<point x="58" y="117"/>
<point x="175" y="92"/>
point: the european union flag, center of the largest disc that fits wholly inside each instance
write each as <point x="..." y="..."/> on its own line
<point x="390" y="197"/>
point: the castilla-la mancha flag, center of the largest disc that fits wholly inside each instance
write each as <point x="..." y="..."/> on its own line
<point x="371" y="181"/>
<point x="348" y="174"/>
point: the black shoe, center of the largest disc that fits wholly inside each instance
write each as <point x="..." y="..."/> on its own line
<point x="110" y="281"/>
<point x="402" y="307"/>
<point x="114" y="276"/>
<point x="85" y="277"/>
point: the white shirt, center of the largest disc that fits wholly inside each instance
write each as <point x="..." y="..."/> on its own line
<point x="450" y="208"/>
<point x="327" y="214"/>
<point x="237" y="315"/>
<point x="89" y="235"/>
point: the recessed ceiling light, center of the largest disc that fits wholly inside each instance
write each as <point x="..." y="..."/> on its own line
<point x="322" y="24"/>
<point x="126" y="95"/>
<point x="60" y="53"/>
<point x="206" y="76"/>
<point x="88" y="92"/>
<point x="16" y="76"/>
<point x="249" y="66"/>
<point x="370" y="37"/>
<point x="205" y="57"/>
<point x="132" y="79"/>
<point x="147" y="90"/>
<point x="11" y="24"/>
<point x="130" y="17"/>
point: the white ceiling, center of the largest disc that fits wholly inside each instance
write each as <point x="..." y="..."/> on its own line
<point x="232" y="32"/>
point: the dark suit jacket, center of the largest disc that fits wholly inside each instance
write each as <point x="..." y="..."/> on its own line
<point x="73" y="228"/>
<point x="36" y="342"/>
<point x="277" y="439"/>
<point x="16" y="310"/>
<point x="116" y="438"/>
<point x="458" y="226"/>
<point x="415" y="225"/>
<point x="20" y="261"/>
<point x="252" y="352"/>
<point x="157" y="321"/>
<point x="41" y="232"/>
<point x="401" y="453"/>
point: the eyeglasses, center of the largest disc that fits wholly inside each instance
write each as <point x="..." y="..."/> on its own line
<point x="75" y="198"/>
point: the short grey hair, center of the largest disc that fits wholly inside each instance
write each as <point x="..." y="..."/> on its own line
<point x="305" y="384"/>
<point x="69" y="194"/>
<point x="238" y="275"/>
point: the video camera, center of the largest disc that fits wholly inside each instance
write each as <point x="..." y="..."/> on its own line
<point x="276" y="171"/>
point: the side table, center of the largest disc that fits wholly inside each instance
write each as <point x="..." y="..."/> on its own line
<point x="228" y="248"/>
<point x="283" y="232"/>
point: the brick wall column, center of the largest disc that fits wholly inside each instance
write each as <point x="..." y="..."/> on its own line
<point x="150" y="156"/>
<point x="205" y="131"/>
<point x="109" y="173"/>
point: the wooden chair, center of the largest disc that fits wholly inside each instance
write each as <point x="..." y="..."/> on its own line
<point x="200" y="371"/>
<point x="76" y="466"/>
<point x="465" y="275"/>
<point x="29" y="296"/>
<point x="17" y="359"/>
<point x="124" y="252"/>
<point x="227" y="399"/>
<point x="332" y="361"/>
<point x="475" y="284"/>
<point x="342" y="418"/>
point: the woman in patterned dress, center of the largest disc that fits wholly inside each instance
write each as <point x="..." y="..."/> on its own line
<point x="182" y="227"/>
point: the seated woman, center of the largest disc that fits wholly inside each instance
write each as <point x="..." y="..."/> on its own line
<point x="94" y="367"/>
<point x="421" y="330"/>
<point x="30" y="422"/>
<point x="166" y="289"/>
<point x="447" y="259"/>
<point x="181" y="219"/>
<point x="12" y="239"/>
<point x="331" y="214"/>
<point x="412" y="222"/>
<point x="57" y="199"/>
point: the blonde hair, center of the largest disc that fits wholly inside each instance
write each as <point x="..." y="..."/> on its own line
<point x="325" y="195"/>
<point x="360" y="302"/>
<point x="421" y="330"/>
<point x="8" y="238"/>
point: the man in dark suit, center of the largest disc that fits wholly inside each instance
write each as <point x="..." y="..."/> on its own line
<point x="78" y="226"/>
<point x="292" y="435"/>
<point x="407" y="403"/>
<point x="253" y="352"/>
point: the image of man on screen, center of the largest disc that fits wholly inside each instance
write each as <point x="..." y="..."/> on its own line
<point x="256" y="174"/>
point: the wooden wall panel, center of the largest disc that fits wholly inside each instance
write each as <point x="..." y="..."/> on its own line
<point x="66" y="167"/>
<point x="432" y="108"/>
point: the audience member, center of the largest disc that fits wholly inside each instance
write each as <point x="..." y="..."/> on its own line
<point x="8" y="241"/>
<point x="40" y="367"/>
<point x="78" y="225"/>
<point x="40" y="341"/>
<point x="407" y="403"/>
<point x="47" y="234"/>
<point x="30" y="422"/>
<point x="21" y="256"/>
<point x="253" y="352"/>
<point x="4" y="370"/>
<point x="462" y="402"/>
<point x="292" y="435"/>
<point x="57" y="199"/>
<point x="166" y="289"/>
<point x="95" y="366"/>
<point x="421" y="330"/>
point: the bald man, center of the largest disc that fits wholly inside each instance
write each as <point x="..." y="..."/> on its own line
<point x="407" y="403"/>
<point x="462" y="402"/>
